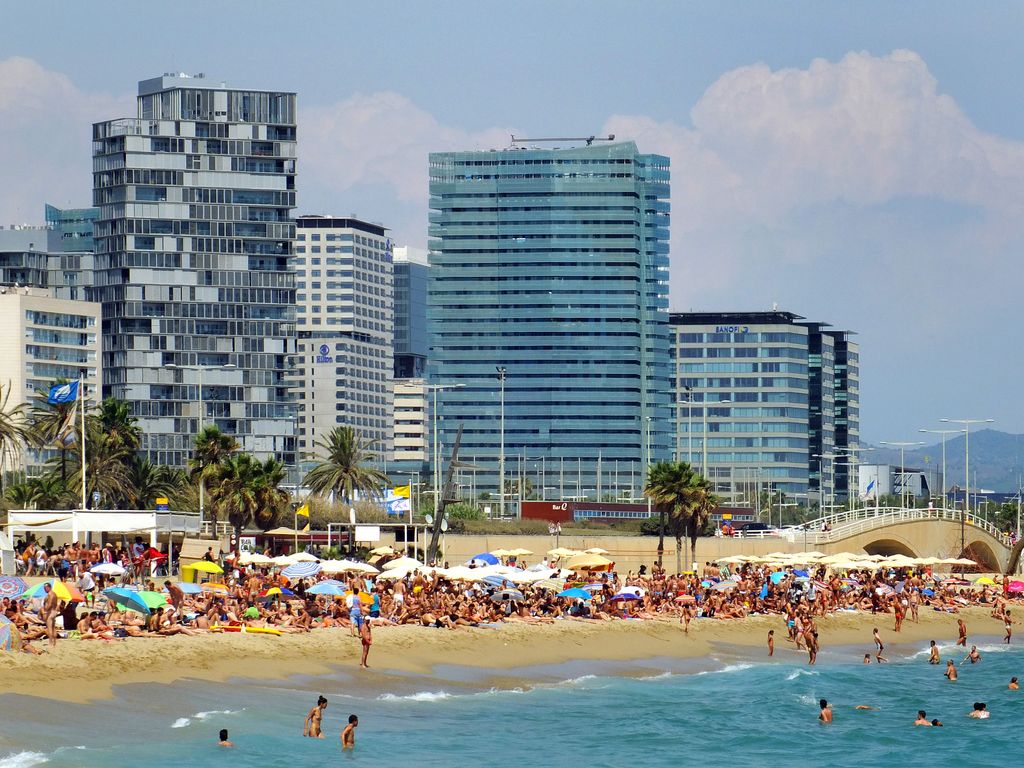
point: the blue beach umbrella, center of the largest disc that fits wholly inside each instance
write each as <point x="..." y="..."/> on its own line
<point x="12" y="586"/>
<point x="484" y="557"/>
<point x="928" y="592"/>
<point x="189" y="589"/>
<point x="301" y="571"/>
<point x="800" y="573"/>
<point x="332" y="588"/>
<point x="625" y="596"/>
<point x="128" y="598"/>
<point x="497" y="581"/>
<point x="575" y="593"/>
<point x="777" y="576"/>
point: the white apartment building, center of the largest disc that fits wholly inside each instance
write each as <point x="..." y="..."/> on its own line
<point x="410" y="420"/>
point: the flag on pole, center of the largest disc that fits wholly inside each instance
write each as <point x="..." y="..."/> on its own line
<point x="869" y="493"/>
<point x="303" y="511"/>
<point x="63" y="393"/>
<point x="405" y="491"/>
<point x="395" y="503"/>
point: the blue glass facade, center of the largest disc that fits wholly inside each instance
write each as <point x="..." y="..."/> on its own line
<point x="553" y="265"/>
<point x="71" y="228"/>
<point x="411" y="342"/>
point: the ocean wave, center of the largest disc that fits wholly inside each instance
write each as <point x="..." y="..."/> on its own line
<point x="420" y="696"/>
<point x="23" y="760"/>
<point x="578" y="680"/>
<point x="726" y="669"/>
<point x="950" y="651"/>
<point x="661" y="676"/>
<point x="800" y="673"/>
<point x="184" y="722"/>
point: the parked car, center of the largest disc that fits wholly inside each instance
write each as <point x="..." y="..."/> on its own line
<point x="758" y="530"/>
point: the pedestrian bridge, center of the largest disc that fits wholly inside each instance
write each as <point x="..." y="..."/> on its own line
<point x="910" y="532"/>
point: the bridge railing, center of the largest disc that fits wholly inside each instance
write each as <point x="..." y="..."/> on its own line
<point x="854" y="521"/>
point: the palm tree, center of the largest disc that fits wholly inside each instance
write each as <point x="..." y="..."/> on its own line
<point x="42" y="492"/>
<point x="344" y="472"/>
<point x="704" y="503"/>
<point x="15" y="433"/>
<point x="271" y="500"/>
<point x="212" y="449"/>
<point x="676" y="489"/>
<point x="117" y="421"/>
<point x="107" y="466"/>
<point x="53" y="425"/>
<point x="148" y="481"/>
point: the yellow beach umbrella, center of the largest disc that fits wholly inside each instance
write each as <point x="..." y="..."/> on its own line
<point x="596" y="551"/>
<point x="385" y="550"/>
<point x="500" y="552"/>
<point x="520" y="552"/>
<point x="986" y="581"/>
<point x="204" y="566"/>
<point x="585" y="562"/>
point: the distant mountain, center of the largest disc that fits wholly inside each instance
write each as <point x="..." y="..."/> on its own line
<point x="997" y="459"/>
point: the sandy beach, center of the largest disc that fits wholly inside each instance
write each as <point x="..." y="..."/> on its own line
<point x="87" y="670"/>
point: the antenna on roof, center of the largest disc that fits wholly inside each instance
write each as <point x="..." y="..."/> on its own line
<point x="588" y="139"/>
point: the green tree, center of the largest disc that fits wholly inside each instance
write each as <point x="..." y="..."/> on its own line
<point x="107" y="461"/>
<point x="148" y="481"/>
<point x="345" y="472"/>
<point x="46" y="491"/>
<point x="54" y="426"/>
<point x="212" y="448"/>
<point x="681" y="497"/>
<point x="116" y="420"/>
<point x="271" y="501"/>
<point x="15" y="432"/>
<point x="245" y="491"/>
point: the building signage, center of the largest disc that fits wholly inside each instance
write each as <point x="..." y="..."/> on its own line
<point x="324" y="354"/>
<point x="732" y="329"/>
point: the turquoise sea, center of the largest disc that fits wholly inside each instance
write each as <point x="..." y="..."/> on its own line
<point x="722" y="711"/>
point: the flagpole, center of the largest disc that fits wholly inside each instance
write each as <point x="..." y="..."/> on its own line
<point x="81" y="406"/>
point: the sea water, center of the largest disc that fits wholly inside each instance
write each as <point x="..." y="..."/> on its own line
<point x="724" y="710"/>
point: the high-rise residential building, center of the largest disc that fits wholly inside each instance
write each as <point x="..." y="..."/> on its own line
<point x="344" y="365"/>
<point x="847" y="414"/>
<point x="70" y="228"/>
<point x="759" y="400"/>
<point x="410" y="422"/>
<point x="547" y="304"/>
<point x="24" y="257"/>
<point x="193" y="246"/>
<point x="411" y="342"/>
<point x="46" y="340"/>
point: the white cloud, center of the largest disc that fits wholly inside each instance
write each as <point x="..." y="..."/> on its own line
<point x="45" y="139"/>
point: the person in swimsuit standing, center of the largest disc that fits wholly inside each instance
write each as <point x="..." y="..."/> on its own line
<point x="314" y="720"/>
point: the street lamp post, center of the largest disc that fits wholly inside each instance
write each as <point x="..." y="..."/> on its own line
<point x="943" y="432"/>
<point x="437" y="445"/>
<point x="648" y="451"/>
<point x="502" y="373"/>
<point x="704" y="435"/>
<point x="199" y="428"/>
<point x="967" y="470"/>
<point x="903" y="469"/>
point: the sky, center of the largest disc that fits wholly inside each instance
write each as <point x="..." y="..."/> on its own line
<point x="856" y="163"/>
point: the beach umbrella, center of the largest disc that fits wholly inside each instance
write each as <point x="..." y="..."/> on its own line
<point x="384" y="550"/>
<point x="152" y="599"/>
<point x="519" y="552"/>
<point x="928" y="592"/>
<point x="7" y="635"/>
<point x="497" y="581"/>
<point x="127" y="598"/>
<point x="585" y="562"/>
<point x="507" y="595"/>
<point x="724" y="586"/>
<point x="210" y="586"/>
<point x="985" y="581"/>
<point x="686" y="599"/>
<point x="707" y="583"/>
<point x="329" y="587"/>
<point x="501" y="552"/>
<point x="625" y="596"/>
<point x="557" y="584"/>
<point x="203" y="566"/>
<point x="107" y="569"/>
<point x="484" y="558"/>
<point x="12" y="586"/>
<point x="575" y="593"/>
<point x="595" y="551"/>
<point x="800" y="573"/>
<point x="66" y="592"/>
<point x="777" y="576"/>
<point x="364" y="598"/>
<point x="255" y="558"/>
<point x="402" y="562"/>
<point x="301" y="571"/>
<point x="189" y="589"/>
<point x="346" y="566"/>
<point x="300" y="557"/>
<point x="1016" y="587"/>
<point x="561" y="552"/>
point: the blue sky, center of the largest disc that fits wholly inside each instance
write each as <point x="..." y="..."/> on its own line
<point x="860" y="163"/>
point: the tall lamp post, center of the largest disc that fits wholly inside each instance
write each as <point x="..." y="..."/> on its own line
<point x="943" y="432"/>
<point x="199" y="380"/>
<point x="967" y="470"/>
<point x="704" y="435"/>
<point x="502" y="373"/>
<point x="903" y="469"/>
<point x="437" y="445"/>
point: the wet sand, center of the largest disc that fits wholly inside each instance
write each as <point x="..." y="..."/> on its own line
<point x="84" y="670"/>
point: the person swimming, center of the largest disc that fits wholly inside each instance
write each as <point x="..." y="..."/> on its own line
<point x="980" y="711"/>
<point x="224" y="741"/>
<point x="933" y="653"/>
<point x="348" y="736"/>
<point x="950" y="672"/>
<point x="922" y="718"/>
<point x="826" y="712"/>
<point x="1014" y="685"/>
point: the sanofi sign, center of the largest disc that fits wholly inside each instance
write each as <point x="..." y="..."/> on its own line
<point x="732" y="329"/>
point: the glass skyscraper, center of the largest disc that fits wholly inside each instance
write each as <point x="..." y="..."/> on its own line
<point x="411" y="344"/>
<point x="193" y="243"/>
<point x="551" y="265"/>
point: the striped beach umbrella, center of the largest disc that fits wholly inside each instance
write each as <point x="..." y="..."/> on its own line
<point x="12" y="586"/>
<point x="301" y="571"/>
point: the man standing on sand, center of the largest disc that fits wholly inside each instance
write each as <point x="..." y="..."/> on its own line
<point x="348" y="736"/>
<point x="314" y="720"/>
<point x="826" y="712"/>
<point x="962" y="628"/>
<point x="48" y="613"/>
<point x="367" y="640"/>
<point x="878" y="645"/>
<point x="1008" y="623"/>
<point x="933" y="654"/>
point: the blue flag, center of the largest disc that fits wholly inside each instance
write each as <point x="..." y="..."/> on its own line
<point x="63" y="393"/>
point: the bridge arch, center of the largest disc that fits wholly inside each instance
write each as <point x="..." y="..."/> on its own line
<point x="982" y="553"/>
<point x="889" y="547"/>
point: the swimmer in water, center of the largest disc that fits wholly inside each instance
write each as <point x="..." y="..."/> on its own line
<point x="224" y="742"/>
<point x="867" y="658"/>
<point x="979" y="712"/>
<point x="922" y="719"/>
<point x="826" y="712"/>
<point x="314" y="720"/>
<point x="950" y="670"/>
<point x="974" y="657"/>
<point x="937" y="723"/>
<point x="348" y="736"/>
<point x="933" y="654"/>
<point x="1014" y="685"/>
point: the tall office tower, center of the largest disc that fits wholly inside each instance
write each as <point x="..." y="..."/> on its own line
<point x="193" y="244"/>
<point x="847" y="414"/>
<point x="344" y="365"/>
<point x="763" y="400"/>
<point x="547" y="307"/>
<point x="411" y="343"/>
